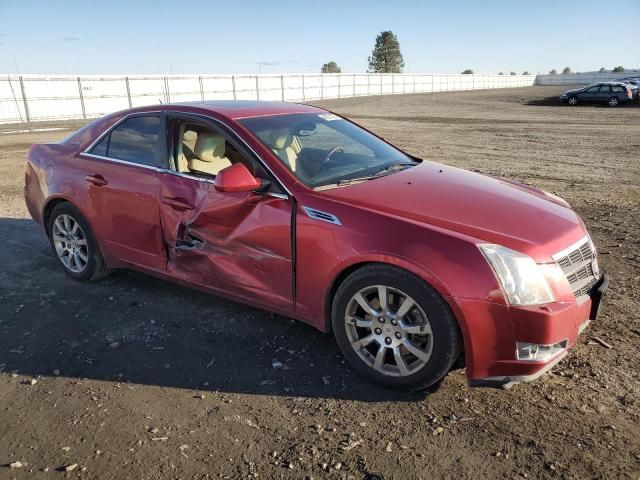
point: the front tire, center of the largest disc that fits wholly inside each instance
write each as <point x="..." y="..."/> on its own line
<point x="394" y="328"/>
<point x="74" y="245"/>
<point x="572" y="101"/>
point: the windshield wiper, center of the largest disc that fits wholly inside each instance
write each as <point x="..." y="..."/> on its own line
<point x="397" y="166"/>
<point x="385" y="171"/>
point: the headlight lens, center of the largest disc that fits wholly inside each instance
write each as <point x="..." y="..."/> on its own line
<point x="520" y="277"/>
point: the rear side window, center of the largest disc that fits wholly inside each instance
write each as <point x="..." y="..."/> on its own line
<point x="605" y="88"/>
<point x="101" y="148"/>
<point x="134" y="140"/>
<point x="618" y="88"/>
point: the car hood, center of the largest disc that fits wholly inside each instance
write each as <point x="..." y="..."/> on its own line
<point x="572" y="91"/>
<point x="486" y="208"/>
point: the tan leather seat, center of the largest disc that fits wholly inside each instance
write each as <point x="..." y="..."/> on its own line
<point x="285" y="146"/>
<point x="186" y="148"/>
<point x="210" y="148"/>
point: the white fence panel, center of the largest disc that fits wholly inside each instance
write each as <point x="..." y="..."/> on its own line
<point x="148" y="91"/>
<point x="11" y="101"/>
<point x="246" y="88"/>
<point x="581" y="78"/>
<point x="51" y="98"/>
<point x="293" y="88"/>
<point x="103" y="95"/>
<point x="184" y="89"/>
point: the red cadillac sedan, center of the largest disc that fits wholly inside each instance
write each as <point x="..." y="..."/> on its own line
<point x="413" y="266"/>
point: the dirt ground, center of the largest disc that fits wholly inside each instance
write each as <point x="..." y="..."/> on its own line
<point x="133" y="377"/>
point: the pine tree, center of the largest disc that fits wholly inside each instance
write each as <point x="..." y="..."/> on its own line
<point x="386" y="56"/>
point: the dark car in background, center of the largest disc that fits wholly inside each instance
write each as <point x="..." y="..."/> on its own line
<point x="611" y="93"/>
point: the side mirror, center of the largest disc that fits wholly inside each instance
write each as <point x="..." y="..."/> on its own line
<point x="236" y="178"/>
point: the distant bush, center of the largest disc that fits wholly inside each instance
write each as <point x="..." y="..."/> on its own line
<point x="602" y="70"/>
<point x="619" y="69"/>
<point x="330" y="67"/>
<point x="566" y="70"/>
<point x="553" y="72"/>
<point x="526" y="73"/>
<point x="468" y="71"/>
<point x="501" y="73"/>
<point x="513" y="73"/>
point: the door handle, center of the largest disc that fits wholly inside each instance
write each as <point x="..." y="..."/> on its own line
<point x="177" y="203"/>
<point x="97" y="180"/>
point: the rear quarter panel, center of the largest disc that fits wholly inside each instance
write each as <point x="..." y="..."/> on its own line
<point x="51" y="170"/>
<point x="43" y="182"/>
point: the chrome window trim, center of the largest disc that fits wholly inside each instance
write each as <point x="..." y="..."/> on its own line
<point x="282" y="196"/>
<point x="566" y="251"/>
<point x="212" y="181"/>
<point x="123" y="162"/>
<point x="186" y="175"/>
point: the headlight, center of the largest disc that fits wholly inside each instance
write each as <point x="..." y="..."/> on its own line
<point x="520" y="277"/>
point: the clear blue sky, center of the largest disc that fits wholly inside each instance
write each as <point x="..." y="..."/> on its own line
<point x="192" y="36"/>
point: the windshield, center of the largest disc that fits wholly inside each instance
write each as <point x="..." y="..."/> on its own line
<point x="324" y="150"/>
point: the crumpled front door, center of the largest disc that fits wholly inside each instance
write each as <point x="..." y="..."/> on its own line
<point x="236" y="242"/>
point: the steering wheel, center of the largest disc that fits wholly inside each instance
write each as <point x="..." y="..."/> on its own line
<point x="328" y="157"/>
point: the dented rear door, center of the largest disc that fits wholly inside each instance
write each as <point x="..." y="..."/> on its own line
<point x="239" y="243"/>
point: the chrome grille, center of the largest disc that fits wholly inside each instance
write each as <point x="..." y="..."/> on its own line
<point x="579" y="265"/>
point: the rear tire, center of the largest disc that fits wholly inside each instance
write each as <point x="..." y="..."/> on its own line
<point x="389" y="343"/>
<point x="613" y="102"/>
<point x="74" y="244"/>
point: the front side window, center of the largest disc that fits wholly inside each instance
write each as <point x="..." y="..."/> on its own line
<point x="324" y="150"/>
<point x="134" y="140"/>
<point x="595" y="89"/>
<point x="203" y="151"/>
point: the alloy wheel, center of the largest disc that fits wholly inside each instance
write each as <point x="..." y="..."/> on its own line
<point x="70" y="243"/>
<point x="389" y="331"/>
<point x="613" y="101"/>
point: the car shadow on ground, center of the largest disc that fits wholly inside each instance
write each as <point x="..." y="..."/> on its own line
<point x="134" y="328"/>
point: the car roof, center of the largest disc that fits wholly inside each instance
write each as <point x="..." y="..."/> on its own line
<point x="238" y="109"/>
<point x="606" y="83"/>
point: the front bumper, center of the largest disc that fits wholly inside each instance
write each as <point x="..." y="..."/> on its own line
<point x="492" y="331"/>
